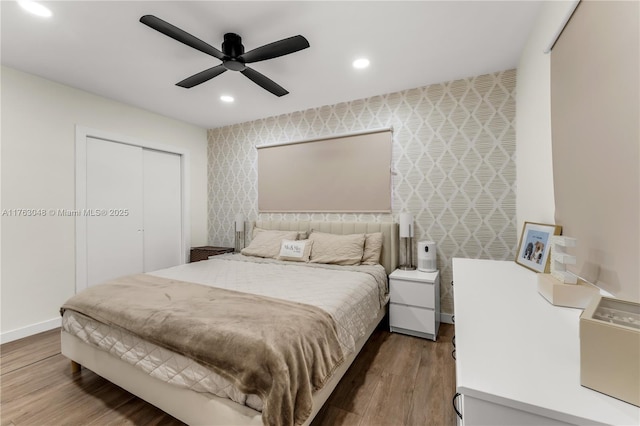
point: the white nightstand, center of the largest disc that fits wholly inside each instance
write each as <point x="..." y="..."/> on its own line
<point x="414" y="307"/>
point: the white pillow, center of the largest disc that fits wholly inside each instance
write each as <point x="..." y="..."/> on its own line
<point x="267" y="243"/>
<point x="297" y="251"/>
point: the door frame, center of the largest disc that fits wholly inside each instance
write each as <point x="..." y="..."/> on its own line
<point x="82" y="133"/>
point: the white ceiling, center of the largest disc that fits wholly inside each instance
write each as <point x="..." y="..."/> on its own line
<point x="101" y="47"/>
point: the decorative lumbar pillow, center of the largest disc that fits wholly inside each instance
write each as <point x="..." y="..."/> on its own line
<point x="297" y="251"/>
<point x="266" y="243"/>
<point x="372" y="249"/>
<point x="337" y="249"/>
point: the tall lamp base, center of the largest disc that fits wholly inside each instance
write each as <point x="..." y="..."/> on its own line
<point x="408" y="252"/>
<point x="239" y="243"/>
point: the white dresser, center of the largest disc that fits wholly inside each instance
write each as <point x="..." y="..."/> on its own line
<point x="518" y="356"/>
<point x="414" y="306"/>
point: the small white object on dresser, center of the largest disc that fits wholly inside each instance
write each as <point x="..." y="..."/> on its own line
<point x="414" y="306"/>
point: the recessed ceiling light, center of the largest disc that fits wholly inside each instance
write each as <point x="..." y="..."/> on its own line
<point x="361" y="63"/>
<point x="35" y="8"/>
<point x="226" y="98"/>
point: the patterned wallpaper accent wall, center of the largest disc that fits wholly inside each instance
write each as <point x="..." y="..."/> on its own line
<point x="453" y="158"/>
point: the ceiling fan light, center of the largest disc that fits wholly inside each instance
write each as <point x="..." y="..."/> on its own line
<point x="226" y="98"/>
<point x="35" y="8"/>
<point x="361" y="63"/>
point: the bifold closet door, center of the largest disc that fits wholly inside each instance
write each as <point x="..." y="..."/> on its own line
<point x="115" y="206"/>
<point x="162" y="216"/>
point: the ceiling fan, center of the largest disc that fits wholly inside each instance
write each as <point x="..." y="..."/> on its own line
<point x="233" y="56"/>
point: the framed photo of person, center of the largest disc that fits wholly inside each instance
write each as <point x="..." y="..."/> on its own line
<point x="535" y="245"/>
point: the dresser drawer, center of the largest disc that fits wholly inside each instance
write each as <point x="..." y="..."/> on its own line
<point x="412" y="318"/>
<point x="412" y="293"/>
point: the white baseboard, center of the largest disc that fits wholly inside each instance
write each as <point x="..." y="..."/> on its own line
<point x="30" y="330"/>
<point x="446" y="318"/>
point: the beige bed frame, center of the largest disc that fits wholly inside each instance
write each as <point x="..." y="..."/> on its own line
<point x="196" y="408"/>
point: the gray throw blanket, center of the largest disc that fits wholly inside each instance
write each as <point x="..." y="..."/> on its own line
<point x="282" y="351"/>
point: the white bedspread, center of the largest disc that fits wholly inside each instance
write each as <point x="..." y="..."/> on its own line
<point x="352" y="295"/>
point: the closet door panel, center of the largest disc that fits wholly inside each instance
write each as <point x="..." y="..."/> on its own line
<point x="114" y="210"/>
<point x="162" y="210"/>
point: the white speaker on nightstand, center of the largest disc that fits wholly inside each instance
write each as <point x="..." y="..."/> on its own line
<point x="427" y="256"/>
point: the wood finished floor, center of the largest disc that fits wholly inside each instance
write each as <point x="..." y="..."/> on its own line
<point x="396" y="380"/>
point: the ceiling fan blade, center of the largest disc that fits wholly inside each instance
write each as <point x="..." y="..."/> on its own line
<point x="275" y="49"/>
<point x="264" y="82"/>
<point x="180" y="35"/>
<point x="201" y="77"/>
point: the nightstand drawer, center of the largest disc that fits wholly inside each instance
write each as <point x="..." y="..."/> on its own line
<point x="412" y="318"/>
<point x="412" y="293"/>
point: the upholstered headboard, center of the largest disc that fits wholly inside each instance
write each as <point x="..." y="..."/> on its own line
<point x="389" y="256"/>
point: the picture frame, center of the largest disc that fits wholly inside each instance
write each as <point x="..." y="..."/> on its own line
<point x="535" y="246"/>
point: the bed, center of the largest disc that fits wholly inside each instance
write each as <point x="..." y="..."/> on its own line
<point x="193" y="393"/>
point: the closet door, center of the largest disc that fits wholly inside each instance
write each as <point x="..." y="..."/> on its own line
<point x="162" y="215"/>
<point x="114" y="186"/>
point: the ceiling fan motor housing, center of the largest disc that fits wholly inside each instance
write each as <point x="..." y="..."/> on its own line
<point x="232" y="48"/>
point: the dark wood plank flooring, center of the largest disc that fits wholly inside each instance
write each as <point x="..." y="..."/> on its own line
<point x="396" y="380"/>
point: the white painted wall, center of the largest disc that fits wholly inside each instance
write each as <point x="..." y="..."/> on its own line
<point x="534" y="165"/>
<point x="38" y="147"/>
